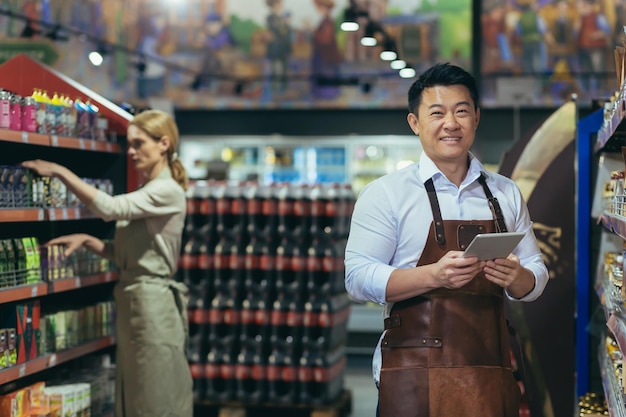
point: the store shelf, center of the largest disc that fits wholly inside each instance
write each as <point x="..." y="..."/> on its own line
<point x="24" y="292"/>
<point x="68" y="213"/>
<point x="24" y="137"/>
<point x="56" y="141"/>
<point x="74" y="283"/>
<point x="44" y="214"/>
<point x="611" y="124"/>
<point x="54" y="359"/>
<point x="615" y="223"/>
<point x="22" y="215"/>
<point x="612" y="390"/>
<point x="609" y="299"/>
<point x="83" y="144"/>
<point x="617" y="325"/>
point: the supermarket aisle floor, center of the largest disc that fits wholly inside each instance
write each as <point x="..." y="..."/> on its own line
<point x="359" y="380"/>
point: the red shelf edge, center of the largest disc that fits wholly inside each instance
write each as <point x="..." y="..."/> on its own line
<point x="68" y="213"/>
<point x="23" y="292"/>
<point x="21" y="215"/>
<point x="20" y="136"/>
<point x="42" y="214"/>
<point x="83" y="144"/>
<point x="56" y="141"/>
<point x="74" y="283"/>
<point x="53" y="359"/>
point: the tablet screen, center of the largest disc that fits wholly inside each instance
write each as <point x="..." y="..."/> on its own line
<point x="487" y="246"/>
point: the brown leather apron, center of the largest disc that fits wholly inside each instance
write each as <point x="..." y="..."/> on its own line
<point x="446" y="353"/>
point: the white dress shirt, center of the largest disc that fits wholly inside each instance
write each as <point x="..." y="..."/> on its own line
<point x="392" y="217"/>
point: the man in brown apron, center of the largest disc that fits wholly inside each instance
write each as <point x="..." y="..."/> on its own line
<point x="445" y="349"/>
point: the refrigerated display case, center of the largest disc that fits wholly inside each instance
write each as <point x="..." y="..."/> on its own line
<point x="303" y="159"/>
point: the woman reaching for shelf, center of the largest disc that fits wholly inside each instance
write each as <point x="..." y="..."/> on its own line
<point x="153" y="377"/>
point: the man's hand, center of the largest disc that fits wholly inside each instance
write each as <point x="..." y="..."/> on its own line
<point x="454" y="270"/>
<point x="510" y="274"/>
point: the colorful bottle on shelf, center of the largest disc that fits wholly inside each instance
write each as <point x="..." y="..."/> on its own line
<point x="5" y="109"/>
<point x="59" y="114"/>
<point x="29" y="114"/>
<point x="82" y="119"/>
<point x="70" y="116"/>
<point x="15" y="122"/>
<point x="51" y="114"/>
<point x="40" y="111"/>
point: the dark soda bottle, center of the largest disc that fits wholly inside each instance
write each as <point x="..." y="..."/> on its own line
<point x="251" y="376"/>
<point x="322" y="266"/>
<point x="229" y="263"/>
<point x="269" y="209"/>
<point x="260" y="264"/>
<point x="282" y="378"/>
<point x="220" y="375"/>
<point x="321" y="375"/>
<point x="290" y="267"/>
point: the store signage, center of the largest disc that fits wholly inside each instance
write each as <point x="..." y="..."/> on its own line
<point x="40" y="50"/>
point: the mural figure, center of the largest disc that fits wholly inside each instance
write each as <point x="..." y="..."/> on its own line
<point x="531" y="30"/>
<point x="217" y="38"/>
<point x="153" y="35"/>
<point x="561" y="51"/>
<point x="279" y="45"/>
<point x="326" y="55"/>
<point x="592" y="39"/>
<point x="497" y="56"/>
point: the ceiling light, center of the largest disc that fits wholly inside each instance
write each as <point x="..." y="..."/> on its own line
<point x="96" y="58"/>
<point x="349" y="26"/>
<point x="398" y="64"/>
<point x="407" y="72"/>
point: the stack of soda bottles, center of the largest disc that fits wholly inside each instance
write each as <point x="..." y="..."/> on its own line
<point x="268" y="308"/>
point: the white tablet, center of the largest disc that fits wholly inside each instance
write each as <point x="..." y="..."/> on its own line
<point x="487" y="246"/>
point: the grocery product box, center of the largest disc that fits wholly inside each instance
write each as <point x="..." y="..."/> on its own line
<point x="15" y="404"/>
<point x="62" y="400"/>
<point x="28" y="331"/>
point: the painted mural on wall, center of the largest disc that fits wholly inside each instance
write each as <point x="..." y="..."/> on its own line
<point x="244" y="53"/>
<point x="540" y="52"/>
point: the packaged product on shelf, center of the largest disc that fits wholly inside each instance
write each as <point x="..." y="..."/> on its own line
<point x="5" y="109"/>
<point x="7" y="278"/>
<point x="28" y="332"/>
<point x="6" y="245"/>
<point x="15" y="112"/>
<point x="21" y="187"/>
<point x="62" y="398"/>
<point x="83" y="127"/>
<point x="51" y="114"/>
<point x="11" y="334"/>
<point x="39" y="402"/>
<point x="93" y="112"/>
<point x="102" y="127"/>
<point x="6" y="193"/>
<point x="4" y="360"/>
<point x="59" y="114"/>
<point x="21" y="271"/>
<point x="15" y="404"/>
<point x="60" y="328"/>
<point x="40" y="111"/>
<point x="33" y="261"/>
<point x="70" y="116"/>
<point x="29" y="114"/>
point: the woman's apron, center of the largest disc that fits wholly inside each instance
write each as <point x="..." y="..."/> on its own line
<point x="446" y="352"/>
<point x="152" y="372"/>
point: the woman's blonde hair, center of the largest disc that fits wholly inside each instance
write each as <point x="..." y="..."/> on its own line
<point x="156" y="124"/>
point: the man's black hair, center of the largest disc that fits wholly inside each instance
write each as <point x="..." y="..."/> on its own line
<point x="443" y="75"/>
